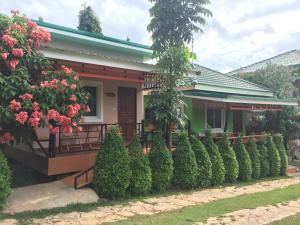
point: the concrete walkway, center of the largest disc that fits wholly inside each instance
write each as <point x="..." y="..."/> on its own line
<point x="46" y="196"/>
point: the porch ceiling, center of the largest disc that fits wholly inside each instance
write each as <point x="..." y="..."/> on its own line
<point x="228" y="98"/>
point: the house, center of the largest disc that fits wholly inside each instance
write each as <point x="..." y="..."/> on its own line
<point x="290" y="58"/>
<point x="221" y="102"/>
<point x="113" y="72"/>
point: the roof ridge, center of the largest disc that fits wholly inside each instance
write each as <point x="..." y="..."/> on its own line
<point x="264" y="60"/>
<point x="236" y="78"/>
<point x="90" y="34"/>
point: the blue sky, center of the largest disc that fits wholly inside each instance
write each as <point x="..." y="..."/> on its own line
<point x="240" y="32"/>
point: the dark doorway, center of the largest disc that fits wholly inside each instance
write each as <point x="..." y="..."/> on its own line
<point x="127" y="111"/>
<point x="237" y="121"/>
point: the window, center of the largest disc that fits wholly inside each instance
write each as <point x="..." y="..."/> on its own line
<point x="214" y="118"/>
<point x="92" y="102"/>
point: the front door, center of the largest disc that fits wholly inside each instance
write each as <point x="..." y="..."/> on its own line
<point x="237" y="121"/>
<point x="127" y="111"/>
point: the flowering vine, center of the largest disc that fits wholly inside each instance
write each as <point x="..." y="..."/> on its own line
<point x="33" y="94"/>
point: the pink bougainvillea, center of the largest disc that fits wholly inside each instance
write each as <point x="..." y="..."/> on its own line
<point x="17" y="52"/>
<point x="14" y="105"/>
<point x="22" y="117"/>
<point x="26" y="96"/>
<point x="8" y="40"/>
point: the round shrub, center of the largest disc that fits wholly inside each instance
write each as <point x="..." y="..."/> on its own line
<point x="5" y="179"/>
<point x="112" y="167"/>
<point x="273" y="156"/>
<point x="264" y="160"/>
<point x="204" y="173"/>
<point x="254" y="157"/>
<point x="161" y="164"/>
<point x="218" y="170"/>
<point x="278" y="141"/>
<point x="229" y="159"/>
<point x="185" y="166"/>
<point x="141" y="179"/>
<point x="245" y="169"/>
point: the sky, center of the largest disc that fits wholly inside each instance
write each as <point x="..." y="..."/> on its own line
<point x="240" y="32"/>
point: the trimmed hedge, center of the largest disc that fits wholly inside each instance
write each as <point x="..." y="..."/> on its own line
<point x="264" y="159"/>
<point x="204" y="173"/>
<point x="112" y="171"/>
<point x="254" y="157"/>
<point x="185" y="166"/>
<point x="218" y="170"/>
<point x="5" y="179"/>
<point x="278" y="141"/>
<point x="273" y="156"/>
<point x="161" y="164"/>
<point x="141" y="179"/>
<point x="229" y="159"/>
<point x="245" y="169"/>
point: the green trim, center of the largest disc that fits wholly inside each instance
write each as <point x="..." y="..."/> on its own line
<point x="96" y="39"/>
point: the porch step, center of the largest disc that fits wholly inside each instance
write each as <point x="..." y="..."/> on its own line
<point x="84" y="178"/>
<point x="292" y="169"/>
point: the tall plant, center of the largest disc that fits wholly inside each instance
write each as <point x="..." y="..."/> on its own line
<point x="278" y="141"/>
<point x="254" y="156"/>
<point x="88" y="20"/>
<point x="245" y="168"/>
<point x="172" y="26"/>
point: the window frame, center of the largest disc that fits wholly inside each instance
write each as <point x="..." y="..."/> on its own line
<point x="99" y="105"/>
<point x="216" y="130"/>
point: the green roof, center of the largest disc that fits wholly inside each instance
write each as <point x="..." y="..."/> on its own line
<point x="290" y="58"/>
<point x="234" y="98"/>
<point x="99" y="40"/>
<point x="211" y="80"/>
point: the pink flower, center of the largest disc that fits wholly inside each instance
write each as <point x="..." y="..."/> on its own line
<point x="54" y="130"/>
<point x="64" y="82"/>
<point x="14" y="105"/>
<point x="34" y="122"/>
<point x="21" y="117"/>
<point x="73" y="98"/>
<point x="37" y="114"/>
<point x="12" y="64"/>
<point x="8" y="40"/>
<point x="40" y="35"/>
<point x="26" y="96"/>
<point x="17" y="27"/>
<point x="6" y="138"/>
<point x="35" y="106"/>
<point x="67" y="70"/>
<point x="4" y="55"/>
<point x="52" y="114"/>
<point x="31" y="24"/>
<point x="73" y="110"/>
<point x="54" y="82"/>
<point x="79" y="129"/>
<point x="64" y="120"/>
<point x="87" y="109"/>
<point x="44" y="84"/>
<point x="68" y="130"/>
<point x="76" y="78"/>
<point x="17" y="52"/>
<point x="73" y="86"/>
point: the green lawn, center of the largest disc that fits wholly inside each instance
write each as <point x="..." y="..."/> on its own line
<point x="291" y="220"/>
<point x="201" y="213"/>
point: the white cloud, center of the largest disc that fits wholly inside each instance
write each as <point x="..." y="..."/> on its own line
<point x="240" y="32"/>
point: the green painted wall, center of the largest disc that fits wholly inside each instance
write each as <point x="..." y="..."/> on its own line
<point x="230" y="121"/>
<point x="196" y="116"/>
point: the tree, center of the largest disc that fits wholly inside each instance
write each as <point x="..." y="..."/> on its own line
<point x="203" y="161"/>
<point x="173" y="23"/>
<point x="255" y="158"/>
<point x="278" y="141"/>
<point x="172" y="26"/>
<point x="5" y="179"/>
<point x="185" y="166"/>
<point x="276" y="77"/>
<point x="88" y="20"/>
<point x="141" y="179"/>
<point x="264" y="161"/>
<point x="161" y="164"/>
<point x="273" y="156"/>
<point x="32" y="93"/>
<point x="218" y="170"/>
<point x="245" y="168"/>
<point x="229" y="159"/>
<point x="112" y="171"/>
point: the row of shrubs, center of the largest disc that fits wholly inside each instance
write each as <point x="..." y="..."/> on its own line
<point x="5" y="179"/>
<point x="192" y="164"/>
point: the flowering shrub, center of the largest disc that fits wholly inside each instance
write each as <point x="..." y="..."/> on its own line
<point x="33" y="94"/>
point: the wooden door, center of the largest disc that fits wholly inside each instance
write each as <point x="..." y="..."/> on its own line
<point x="127" y="111"/>
<point x="237" y="121"/>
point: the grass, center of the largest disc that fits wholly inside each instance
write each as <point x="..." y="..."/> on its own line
<point x="92" y="206"/>
<point x="200" y="213"/>
<point x="291" y="220"/>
